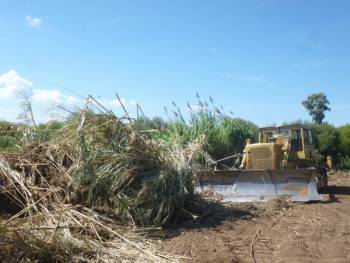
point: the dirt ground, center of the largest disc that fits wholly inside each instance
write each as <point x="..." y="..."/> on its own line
<point x="277" y="231"/>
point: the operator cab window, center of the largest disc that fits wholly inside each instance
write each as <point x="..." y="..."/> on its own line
<point x="308" y="137"/>
<point x="296" y="144"/>
<point x="285" y="133"/>
<point x="266" y="136"/>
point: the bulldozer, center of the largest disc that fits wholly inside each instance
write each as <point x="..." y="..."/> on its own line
<point x="282" y="163"/>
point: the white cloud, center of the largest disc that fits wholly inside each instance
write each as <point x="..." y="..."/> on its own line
<point x="133" y="102"/>
<point x="116" y="102"/>
<point x="248" y="78"/>
<point x="72" y="100"/>
<point x="53" y="97"/>
<point x="311" y="64"/>
<point x="44" y="95"/>
<point x="33" y="21"/>
<point x="11" y="84"/>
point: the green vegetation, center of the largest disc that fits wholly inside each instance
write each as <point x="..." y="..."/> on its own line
<point x="10" y="135"/>
<point x="345" y="146"/>
<point x="327" y="141"/>
<point x="46" y="131"/>
<point x="330" y="141"/>
<point x="14" y="135"/>
<point x="101" y="167"/>
<point x="150" y="125"/>
<point x="222" y="134"/>
<point x="317" y="104"/>
<point x="8" y="142"/>
<point x="345" y="138"/>
<point x="122" y="169"/>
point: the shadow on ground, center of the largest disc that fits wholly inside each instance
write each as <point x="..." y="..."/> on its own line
<point x="338" y="190"/>
<point x="212" y="214"/>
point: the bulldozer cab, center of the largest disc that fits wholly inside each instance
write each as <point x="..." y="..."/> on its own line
<point x="295" y="140"/>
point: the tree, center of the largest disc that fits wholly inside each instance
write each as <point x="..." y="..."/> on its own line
<point x="317" y="104"/>
<point x="327" y="141"/>
<point x="345" y="139"/>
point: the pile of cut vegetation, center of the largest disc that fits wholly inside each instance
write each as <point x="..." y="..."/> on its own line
<point x="80" y="196"/>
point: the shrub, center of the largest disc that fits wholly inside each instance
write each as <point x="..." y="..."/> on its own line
<point x="7" y="142"/>
<point x="8" y="128"/>
<point x="345" y="139"/>
<point x="9" y="135"/>
<point x="146" y="124"/>
<point x="327" y="140"/>
<point x="46" y="131"/>
<point x="344" y="163"/>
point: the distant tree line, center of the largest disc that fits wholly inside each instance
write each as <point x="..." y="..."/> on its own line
<point x="223" y="134"/>
<point x="330" y="141"/>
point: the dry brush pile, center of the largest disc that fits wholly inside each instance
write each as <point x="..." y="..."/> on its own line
<point x="80" y="197"/>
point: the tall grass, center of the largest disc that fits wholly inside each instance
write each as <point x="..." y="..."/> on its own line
<point x="46" y="228"/>
<point x="117" y="167"/>
<point x="224" y="135"/>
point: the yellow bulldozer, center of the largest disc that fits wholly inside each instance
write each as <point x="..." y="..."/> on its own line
<point x="282" y="163"/>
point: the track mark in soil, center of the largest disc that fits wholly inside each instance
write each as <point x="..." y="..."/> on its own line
<point x="316" y="232"/>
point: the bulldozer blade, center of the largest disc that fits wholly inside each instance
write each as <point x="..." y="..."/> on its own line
<point x="299" y="185"/>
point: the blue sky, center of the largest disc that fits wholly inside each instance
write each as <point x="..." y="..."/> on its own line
<point x="259" y="58"/>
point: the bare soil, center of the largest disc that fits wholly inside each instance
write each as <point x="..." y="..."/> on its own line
<point x="277" y="231"/>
